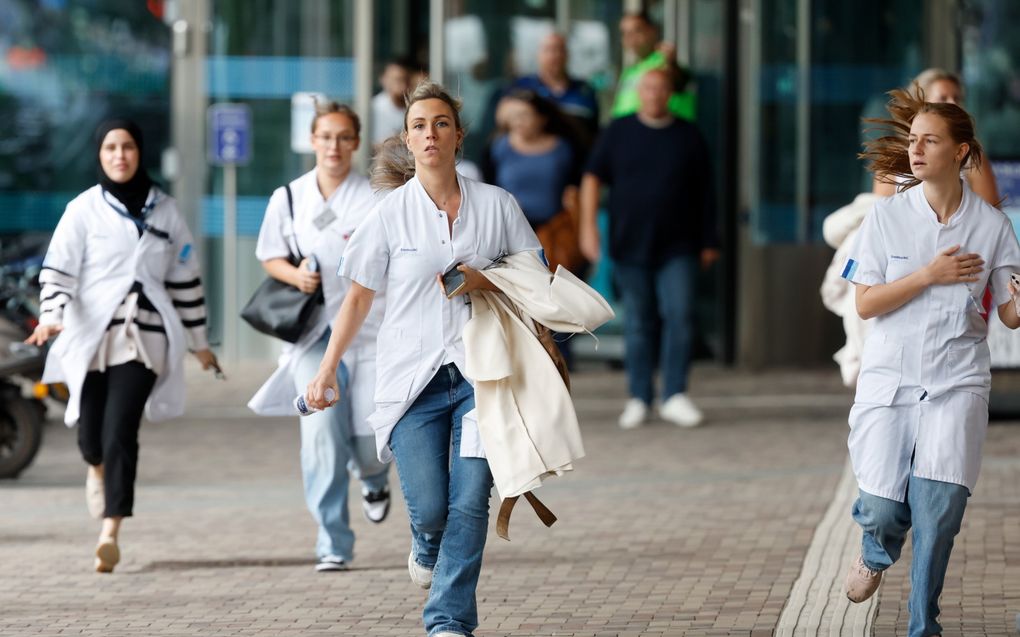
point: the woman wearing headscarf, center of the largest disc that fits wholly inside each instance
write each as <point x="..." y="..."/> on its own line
<point x="121" y="292"/>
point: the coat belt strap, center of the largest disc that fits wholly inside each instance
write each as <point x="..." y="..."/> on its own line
<point x="503" y="520"/>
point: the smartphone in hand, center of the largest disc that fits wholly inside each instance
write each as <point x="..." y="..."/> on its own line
<point x="453" y="281"/>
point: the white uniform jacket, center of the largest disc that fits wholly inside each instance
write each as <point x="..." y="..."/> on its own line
<point x="102" y="250"/>
<point x="402" y="246"/>
<point x="838" y="294"/>
<point x="526" y="418"/>
<point x="923" y="388"/>
<point x="321" y="227"/>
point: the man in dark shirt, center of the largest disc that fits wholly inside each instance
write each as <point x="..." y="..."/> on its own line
<point x="575" y="98"/>
<point x="661" y="228"/>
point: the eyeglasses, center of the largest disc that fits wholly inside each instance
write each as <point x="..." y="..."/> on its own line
<point x="330" y="140"/>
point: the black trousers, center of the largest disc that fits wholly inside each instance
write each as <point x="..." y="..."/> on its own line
<point x="112" y="403"/>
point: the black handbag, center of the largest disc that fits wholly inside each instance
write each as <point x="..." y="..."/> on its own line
<point x="279" y="309"/>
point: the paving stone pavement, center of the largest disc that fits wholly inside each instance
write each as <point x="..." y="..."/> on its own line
<point x="662" y="530"/>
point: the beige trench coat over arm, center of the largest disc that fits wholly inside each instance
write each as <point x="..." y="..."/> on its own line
<point x="526" y="418"/>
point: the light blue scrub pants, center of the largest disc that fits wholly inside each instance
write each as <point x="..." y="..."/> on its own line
<point x="329" y="449"/>
<point x="934" y="510"/>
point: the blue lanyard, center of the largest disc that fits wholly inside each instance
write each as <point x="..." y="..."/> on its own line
<point x="142" y="225"/>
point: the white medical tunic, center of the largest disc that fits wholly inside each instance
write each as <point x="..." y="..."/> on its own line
<point x="401" y="247"/>
<point x="321" y="227"/>
<point x="922" y="394"/>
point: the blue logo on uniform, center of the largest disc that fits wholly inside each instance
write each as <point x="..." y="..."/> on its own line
<point x="850" y="270"/>
<point x="185" y="253"/>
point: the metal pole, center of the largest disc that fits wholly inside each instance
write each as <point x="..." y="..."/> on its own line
<point x="437" y="39"/>
<point x="229" y="319"/>
<point x="803" y="180"/>
<point x="364" y="75"/>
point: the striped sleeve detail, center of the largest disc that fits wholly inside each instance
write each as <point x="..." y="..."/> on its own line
<point x="58" y="289"/>
<point x="188" y="298"/>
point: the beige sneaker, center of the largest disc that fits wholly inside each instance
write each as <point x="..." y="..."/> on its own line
<point x="107" y="555"/>
<point x="861" y="581"/>
<point x="94" y="498"/>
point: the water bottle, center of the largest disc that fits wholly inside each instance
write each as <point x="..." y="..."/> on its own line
<point x="303" y="409"/>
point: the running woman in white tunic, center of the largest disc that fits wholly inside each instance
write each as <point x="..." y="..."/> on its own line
<point x="316" y="215"/>
<point x="921" y="263"/>
<point x="424" y="403"/>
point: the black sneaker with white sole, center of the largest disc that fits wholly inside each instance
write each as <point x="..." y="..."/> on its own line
<point x="376" y="504"/>
<point x="331" y="563"/>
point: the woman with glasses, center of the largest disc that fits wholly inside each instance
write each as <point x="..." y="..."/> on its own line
<point x="314" y="216"/>
<point x="122" y="295"/>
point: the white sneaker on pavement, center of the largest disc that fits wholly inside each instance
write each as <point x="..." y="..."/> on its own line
<point x="330" y="563"/>
<point x="635" y="413"/>
<point x="420" y="575"/>
<point x="447" y="633"/>
<point x="680" y="411"/>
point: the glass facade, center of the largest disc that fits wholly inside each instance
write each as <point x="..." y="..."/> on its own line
<point x="65" y="66"/>
<point x="822" y="66"/>
<point x="813" y="69"/>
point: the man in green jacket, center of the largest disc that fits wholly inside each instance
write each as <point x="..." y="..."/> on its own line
<point x="641" y="38"/>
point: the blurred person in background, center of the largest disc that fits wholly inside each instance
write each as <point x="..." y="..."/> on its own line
<point x="662" y="228"/>
<point x="640" y="39"/>
<point x="316" y="217"/>
<point x="122" y="295"/>
<point x="537" y="162"/>
<point x="388" y="104"/>
<point x="574" y="98"/>
<point x="922" y="261"/>
<point x="941" y="86"/>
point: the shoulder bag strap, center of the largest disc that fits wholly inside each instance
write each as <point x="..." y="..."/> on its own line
<point x="290" y="207"/>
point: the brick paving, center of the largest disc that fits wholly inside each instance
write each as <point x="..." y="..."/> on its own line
<point x="662" y="531"/>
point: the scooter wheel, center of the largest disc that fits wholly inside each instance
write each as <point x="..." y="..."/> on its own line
<point x="21" y="430"/>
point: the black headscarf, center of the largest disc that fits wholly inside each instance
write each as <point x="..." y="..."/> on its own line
<point x="134" y="191"/>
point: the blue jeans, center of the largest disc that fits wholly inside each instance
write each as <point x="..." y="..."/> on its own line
<point x="447" y="499"/>
<point x="934" y="510"/>
<point x="328" y="450"/>
<point x="658" y="302"/>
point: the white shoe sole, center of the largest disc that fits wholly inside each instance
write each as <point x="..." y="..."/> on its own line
<point x="413" y="568"/>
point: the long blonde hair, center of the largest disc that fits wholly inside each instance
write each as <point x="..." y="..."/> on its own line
<point x="888" y="156"/>
<point x="393" y="165"/>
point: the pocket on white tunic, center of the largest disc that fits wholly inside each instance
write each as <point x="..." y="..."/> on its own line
<point x="396" y="363"/>
<point x="881" y="371"/>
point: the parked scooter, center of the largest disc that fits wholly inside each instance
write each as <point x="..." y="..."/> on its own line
<point x="22" y="411"/>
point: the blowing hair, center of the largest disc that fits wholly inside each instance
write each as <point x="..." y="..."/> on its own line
<point x="329" y="108"/>
<point x="888" y="156"/>
<point x="393" y="165"/>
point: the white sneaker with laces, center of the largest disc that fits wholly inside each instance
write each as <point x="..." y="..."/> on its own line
<point x="420" y="575"/>
<point x="680" y="411"/>
<point x="94" y="496"/>
<point x="330" y="563"/>
<point x="375" y="504"/>
<point x="635" y="413"/>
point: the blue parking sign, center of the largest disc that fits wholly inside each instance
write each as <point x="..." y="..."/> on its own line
<point x="229" y="134"/>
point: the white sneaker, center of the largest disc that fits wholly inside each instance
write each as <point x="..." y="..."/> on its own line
<point x="94" y="497"/>
<point x="375" y="504"/>
<point x="420" y="575"/>
<point x="680" y="411"/>
<point x="330" y="563"/>
<point x="635" y="413"/>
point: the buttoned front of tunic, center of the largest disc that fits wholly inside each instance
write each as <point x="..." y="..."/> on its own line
<point x="402" y="247"/>
<point x="921" y="401"/>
